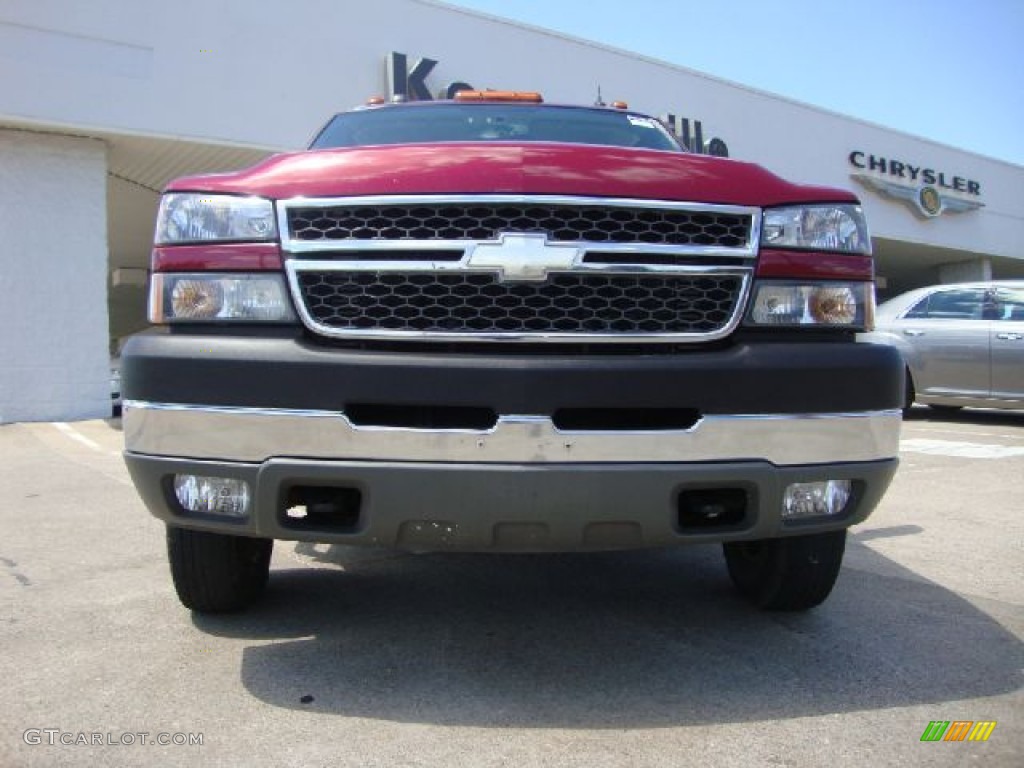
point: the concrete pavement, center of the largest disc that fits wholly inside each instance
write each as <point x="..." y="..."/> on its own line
<point x="371" y="658"/>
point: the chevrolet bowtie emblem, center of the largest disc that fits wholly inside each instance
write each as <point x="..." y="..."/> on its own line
<point x="523" y="256"/>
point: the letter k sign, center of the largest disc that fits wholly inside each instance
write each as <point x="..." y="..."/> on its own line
<point x="409" y="83"/>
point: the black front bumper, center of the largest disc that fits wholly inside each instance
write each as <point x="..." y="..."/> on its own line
<point x="291" y="372"/>
<point x="277" y="413"/>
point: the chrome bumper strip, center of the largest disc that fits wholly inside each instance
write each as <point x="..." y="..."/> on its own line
<point x="258" y="434"/>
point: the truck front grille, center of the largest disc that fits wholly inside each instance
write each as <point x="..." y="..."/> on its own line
<point x="475" y="302"/>
<point x="561" y="223"/>
<point x="518" y="269"/>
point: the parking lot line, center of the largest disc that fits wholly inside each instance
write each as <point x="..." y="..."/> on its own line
<point x="936" y="430"/>
<point x="74" y="434"/>
<point x="959" y="449"/>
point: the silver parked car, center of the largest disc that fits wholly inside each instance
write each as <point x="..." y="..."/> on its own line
<point x="963" y="343"/>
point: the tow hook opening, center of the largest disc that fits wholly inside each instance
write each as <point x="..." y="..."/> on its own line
<point x="321" y="508"/>
<point x="707" y="509"/>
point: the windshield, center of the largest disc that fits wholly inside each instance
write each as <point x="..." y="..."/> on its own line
<point x="494" y="122"/>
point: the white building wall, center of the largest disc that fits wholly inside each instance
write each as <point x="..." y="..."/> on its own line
<point x="53" y="267"/>
<point x="268" y="73"/>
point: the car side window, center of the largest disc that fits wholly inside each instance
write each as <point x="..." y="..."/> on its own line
<point x="1010" y="304"/>
<point x="919" y="310"/>
<point x="955" y="304"/>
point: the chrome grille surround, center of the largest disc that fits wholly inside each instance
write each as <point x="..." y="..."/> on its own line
<point x="434" y="287"/>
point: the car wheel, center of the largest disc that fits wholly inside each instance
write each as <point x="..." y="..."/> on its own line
<point x="215" y="572"/>
<point x="788" y="574"/>
<point x="908" y="392"/>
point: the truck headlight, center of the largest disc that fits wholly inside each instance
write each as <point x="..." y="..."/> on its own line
<point x="187" y="217"/>
<point x="211" y="297"/>
<point x="813" y="303"/>
<point x="838" y="228"/>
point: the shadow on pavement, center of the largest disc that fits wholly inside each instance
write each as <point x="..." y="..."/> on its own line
<point x="980" y="417"/>
<point x="622" y="640"/>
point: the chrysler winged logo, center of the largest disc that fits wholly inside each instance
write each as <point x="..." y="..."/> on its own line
<point x="519" y="257"/>
<point x="929" y="201"/>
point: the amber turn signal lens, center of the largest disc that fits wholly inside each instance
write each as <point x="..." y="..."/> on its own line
<point x="527" y="96"/>
<point x="196" y="299"/>
<point x="833" y="306"/>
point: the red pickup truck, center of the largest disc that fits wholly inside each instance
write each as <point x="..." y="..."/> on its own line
<point x="496" y="324"/>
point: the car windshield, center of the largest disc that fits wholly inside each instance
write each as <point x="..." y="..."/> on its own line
<point x="431" y="123"/>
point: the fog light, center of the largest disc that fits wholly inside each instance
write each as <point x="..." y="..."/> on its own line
<point x="226" y="496"/>
<point x="828" y="497"/>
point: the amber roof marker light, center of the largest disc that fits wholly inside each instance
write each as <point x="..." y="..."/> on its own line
<point x="531" y="97"/>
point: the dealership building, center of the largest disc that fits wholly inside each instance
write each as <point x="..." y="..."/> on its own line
<point x="102" y="103"/>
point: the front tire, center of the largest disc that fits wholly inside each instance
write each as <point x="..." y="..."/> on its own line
<point x="788" y="574"/>
<point x="908" y="393"/>
<point x="216" y="572"/>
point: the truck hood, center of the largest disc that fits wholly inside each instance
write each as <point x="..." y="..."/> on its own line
<point x="518" y="169"/>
